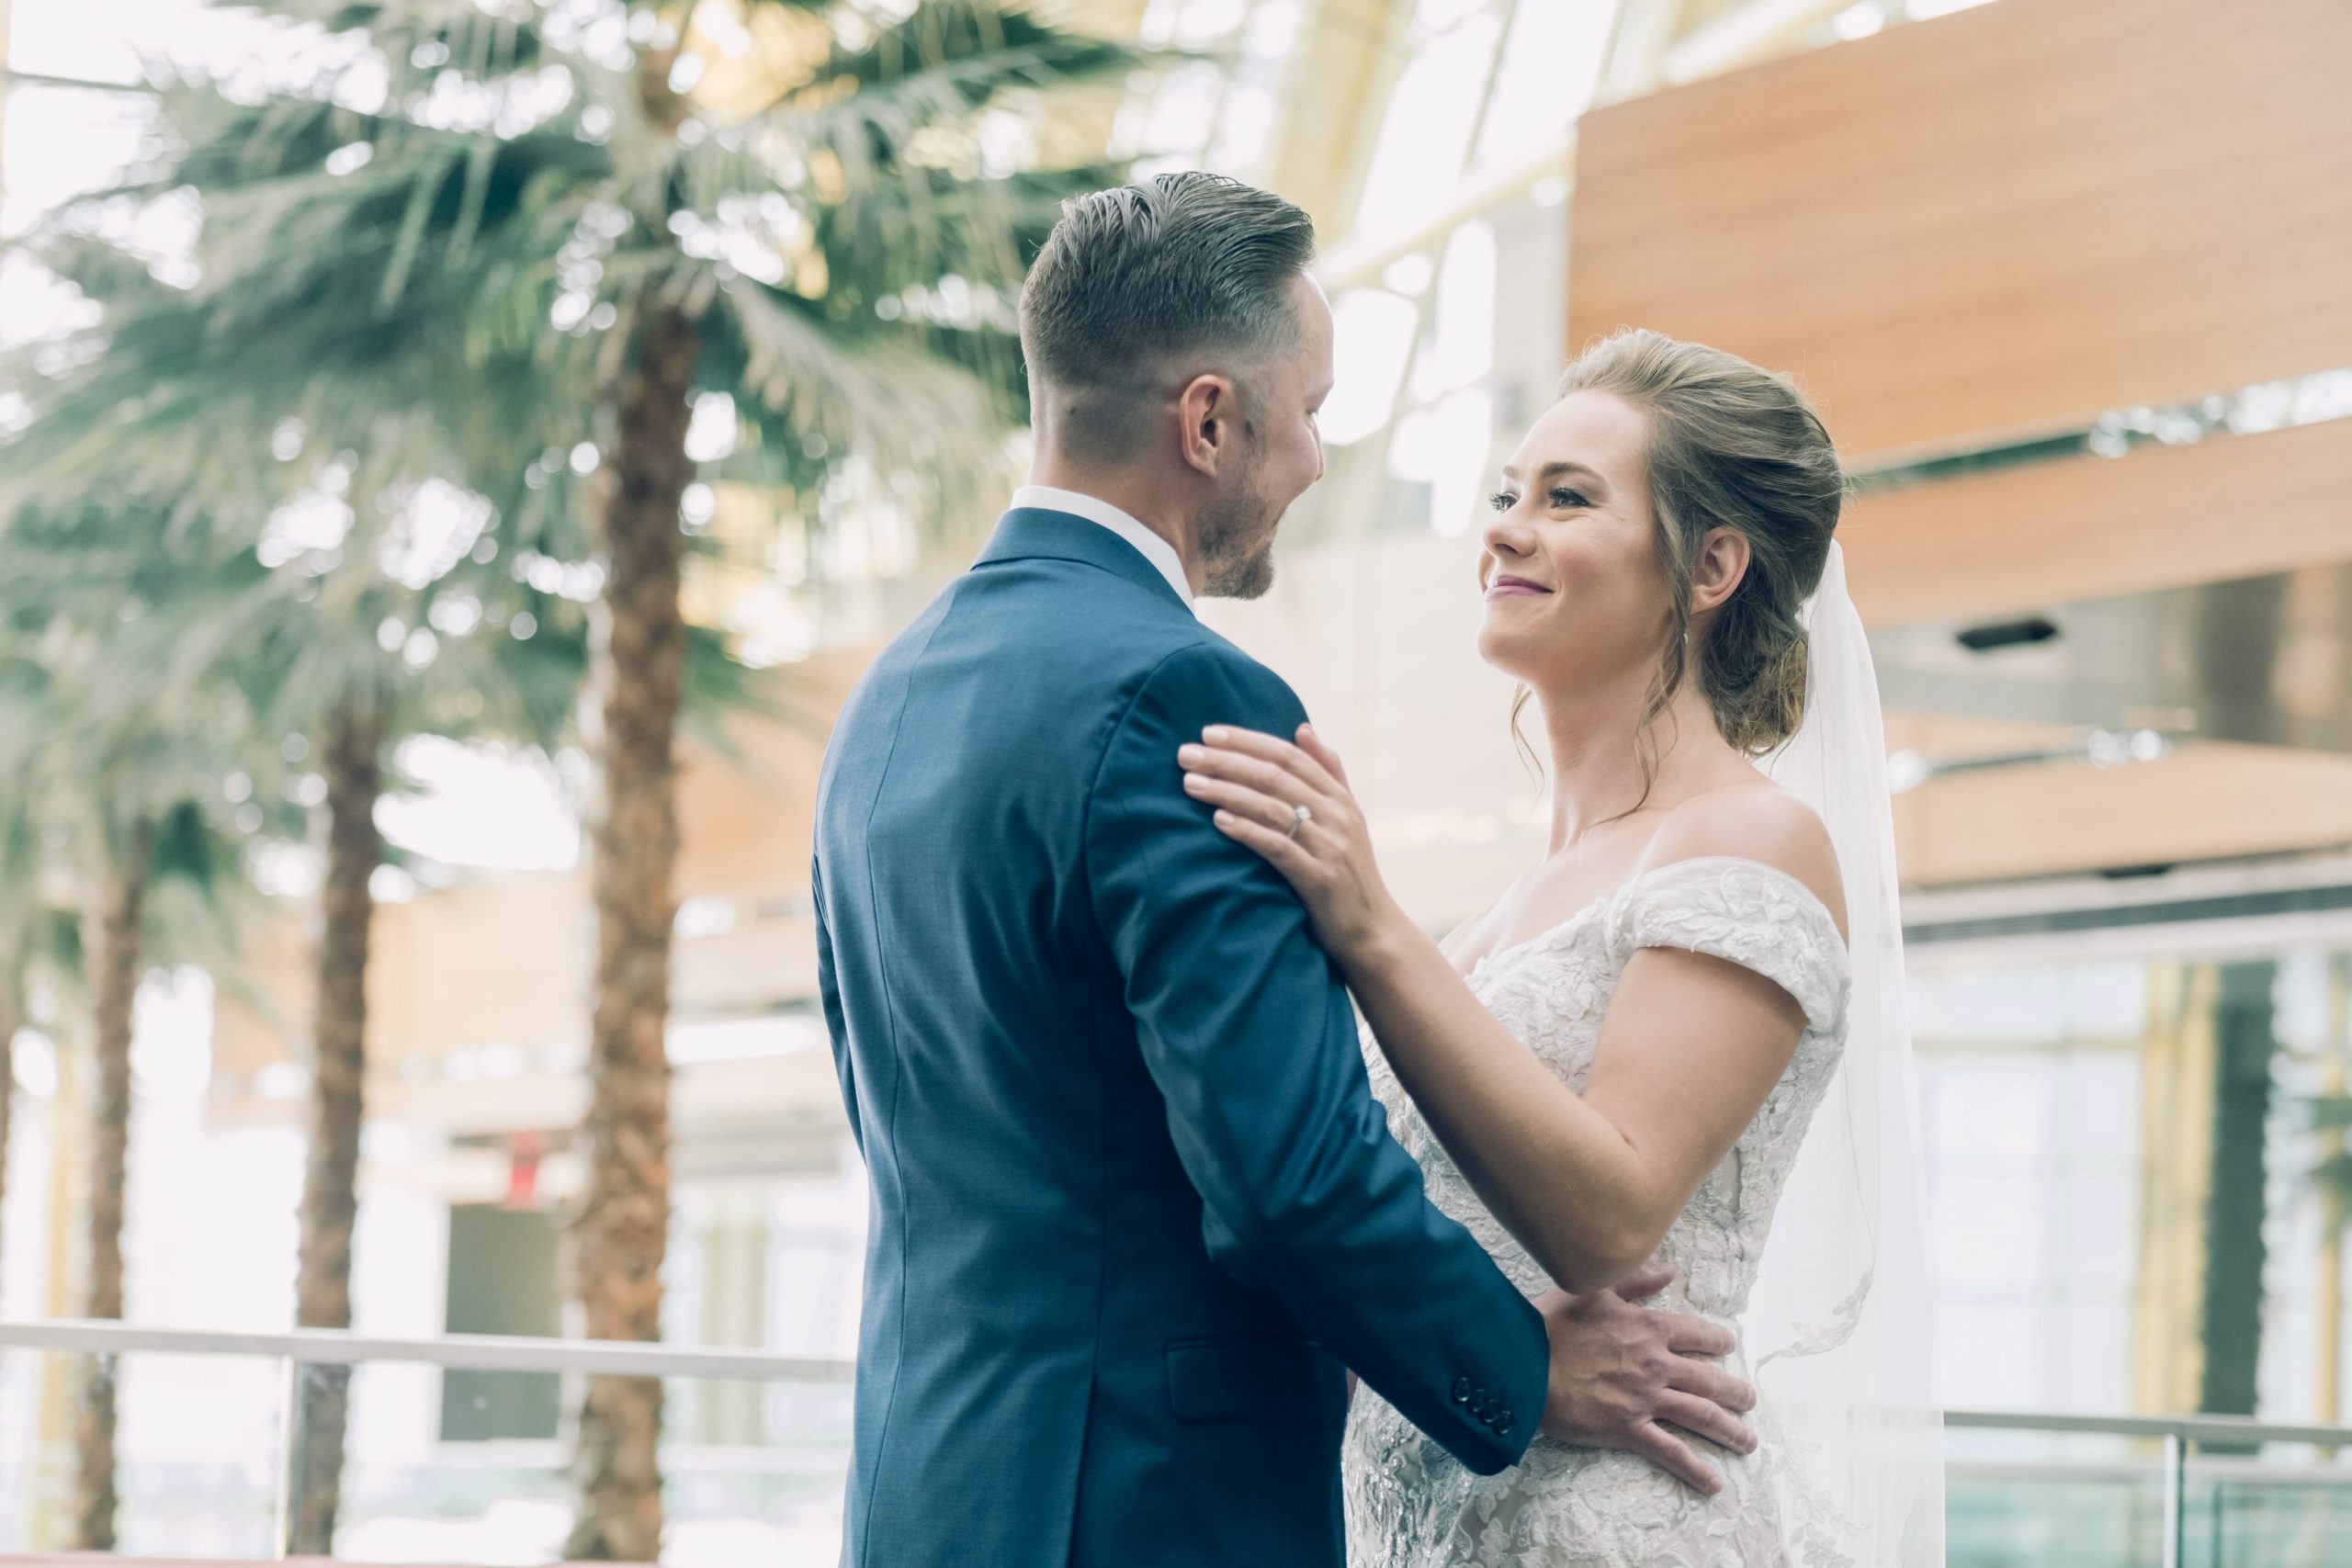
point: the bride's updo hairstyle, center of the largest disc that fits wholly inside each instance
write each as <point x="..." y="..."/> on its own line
<point x="1731" y="446"/>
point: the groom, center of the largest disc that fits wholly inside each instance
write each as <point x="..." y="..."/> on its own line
<point x="1136" y="1213"/>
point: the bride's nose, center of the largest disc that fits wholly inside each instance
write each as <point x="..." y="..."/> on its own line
<point x="1508" y="539"/>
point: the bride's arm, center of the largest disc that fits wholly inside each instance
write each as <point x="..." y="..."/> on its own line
<point x="1689" y="1049"/>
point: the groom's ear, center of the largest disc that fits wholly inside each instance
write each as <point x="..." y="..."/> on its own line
<point x="1721" y="566"/>
<point x="1208" y="422"/>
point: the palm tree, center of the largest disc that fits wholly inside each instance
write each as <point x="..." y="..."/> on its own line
<point x="124" y="776"/>
<point x="20" y="921"/>
<point x="480" y="213"/>
<point x="354" y="700"/>
<point x="39" y="944"/>
<point x="11" y="1012"/>
<point x="302" y="646"/>
<point x="327" y="671"/>
<point x="856" y="116"/>
<point x="299" y="633"/>
<point x="40" y="939"/>
<point x="352" y="763"/>
<point x="309" y="653"/>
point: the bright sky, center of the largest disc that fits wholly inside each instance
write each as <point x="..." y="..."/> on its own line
<point x="60" y="141"/>
<point x="481" y="808"/>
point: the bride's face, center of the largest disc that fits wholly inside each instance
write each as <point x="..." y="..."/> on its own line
<point x="1574" y="589"/>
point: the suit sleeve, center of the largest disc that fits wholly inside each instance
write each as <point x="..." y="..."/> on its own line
<point x="1247" y="1033"/>
<point x="828" y="995"/>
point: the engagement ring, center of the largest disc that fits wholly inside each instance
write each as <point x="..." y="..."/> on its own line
<point x="1299" y="818"/>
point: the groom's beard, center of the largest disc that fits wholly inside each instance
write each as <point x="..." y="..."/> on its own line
<point x="1237" y="545"/>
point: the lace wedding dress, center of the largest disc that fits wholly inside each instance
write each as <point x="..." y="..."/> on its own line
<point x="1410" y="1503"/>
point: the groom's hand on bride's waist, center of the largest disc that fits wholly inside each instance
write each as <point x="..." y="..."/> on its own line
<point x="1627" y="1377"/>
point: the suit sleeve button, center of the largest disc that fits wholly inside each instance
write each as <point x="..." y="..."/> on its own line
<point x="1462" y="1391"/>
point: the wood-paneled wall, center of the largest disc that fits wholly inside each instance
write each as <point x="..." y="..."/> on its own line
<point x="2207" y="801"/>
<point x="2000" y="221"/>
<point x="2029" y="537"/>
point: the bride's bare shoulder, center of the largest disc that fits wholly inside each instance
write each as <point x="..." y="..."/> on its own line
<point x="1755" y="820"/>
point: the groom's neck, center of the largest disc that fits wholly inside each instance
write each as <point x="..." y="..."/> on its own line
<point x="1139" y="495"/>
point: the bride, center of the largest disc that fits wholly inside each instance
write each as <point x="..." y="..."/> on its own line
<point x="1686" y="1015"/>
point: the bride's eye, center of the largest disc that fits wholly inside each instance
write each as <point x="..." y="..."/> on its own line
<point x="1568" y="500"/>
<point x="1502" y="500"/>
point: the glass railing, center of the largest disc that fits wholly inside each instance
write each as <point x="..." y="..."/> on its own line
<point x="456" y="1447"/>
<point x="2106" y="1491"/>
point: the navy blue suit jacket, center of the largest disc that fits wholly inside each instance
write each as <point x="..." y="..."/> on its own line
<point x="1133" y="1206"/>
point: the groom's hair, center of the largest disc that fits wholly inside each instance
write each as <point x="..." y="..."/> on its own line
<point x="1139" y="275"/>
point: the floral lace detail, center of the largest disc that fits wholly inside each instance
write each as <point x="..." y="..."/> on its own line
<point x="1410" y="1503"/>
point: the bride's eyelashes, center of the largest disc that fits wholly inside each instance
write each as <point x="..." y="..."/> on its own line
<point x="1562" y="499"/>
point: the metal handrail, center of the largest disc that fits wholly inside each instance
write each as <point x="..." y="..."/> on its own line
<point x="473" y="1352"/>
<point x="302" y="1348"/>
<point x="2187" y="1428"/>
<point x="519" y="1353"/>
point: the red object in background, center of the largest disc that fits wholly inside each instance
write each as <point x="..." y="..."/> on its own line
<point x="523" y="1152"/>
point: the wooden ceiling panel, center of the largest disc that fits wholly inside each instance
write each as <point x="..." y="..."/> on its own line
<point x="2043" y="533"/>
<point x="2002" y="221"/>
<point x="2205" y="802"/>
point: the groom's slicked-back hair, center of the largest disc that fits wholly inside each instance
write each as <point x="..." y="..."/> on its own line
<point x="1139" y="275"/>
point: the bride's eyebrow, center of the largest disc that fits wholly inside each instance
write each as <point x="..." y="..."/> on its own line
<point x="1551" y="471"/>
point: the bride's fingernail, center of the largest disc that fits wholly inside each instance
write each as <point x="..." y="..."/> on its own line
<point x="1213" y="735"/>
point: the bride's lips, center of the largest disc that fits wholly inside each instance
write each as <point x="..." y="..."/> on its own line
<point x="1508" y="586"/>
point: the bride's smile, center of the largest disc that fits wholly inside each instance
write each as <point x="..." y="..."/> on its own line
<point x="1506" y="586"/>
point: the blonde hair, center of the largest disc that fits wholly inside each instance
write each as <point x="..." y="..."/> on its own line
<point x="1730" y="445"/>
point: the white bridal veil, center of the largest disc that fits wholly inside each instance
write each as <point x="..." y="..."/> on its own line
<point x="1840" y="1328"/>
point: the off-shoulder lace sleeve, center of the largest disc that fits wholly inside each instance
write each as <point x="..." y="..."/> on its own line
<point x="1750" y="914"/>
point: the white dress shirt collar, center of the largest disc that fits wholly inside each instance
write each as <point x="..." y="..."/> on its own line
<point x="1094" y="509"/>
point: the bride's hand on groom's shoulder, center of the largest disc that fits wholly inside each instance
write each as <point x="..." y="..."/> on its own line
<point x="1627" y="1377"/>
<point x="1291" y="803"/>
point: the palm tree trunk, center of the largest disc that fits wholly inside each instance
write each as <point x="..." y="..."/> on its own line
<point x="352" y="763"/>
<point x="637" y="658"/>
<point x="112" y="926"/>
<point x="12" y="1015"/>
